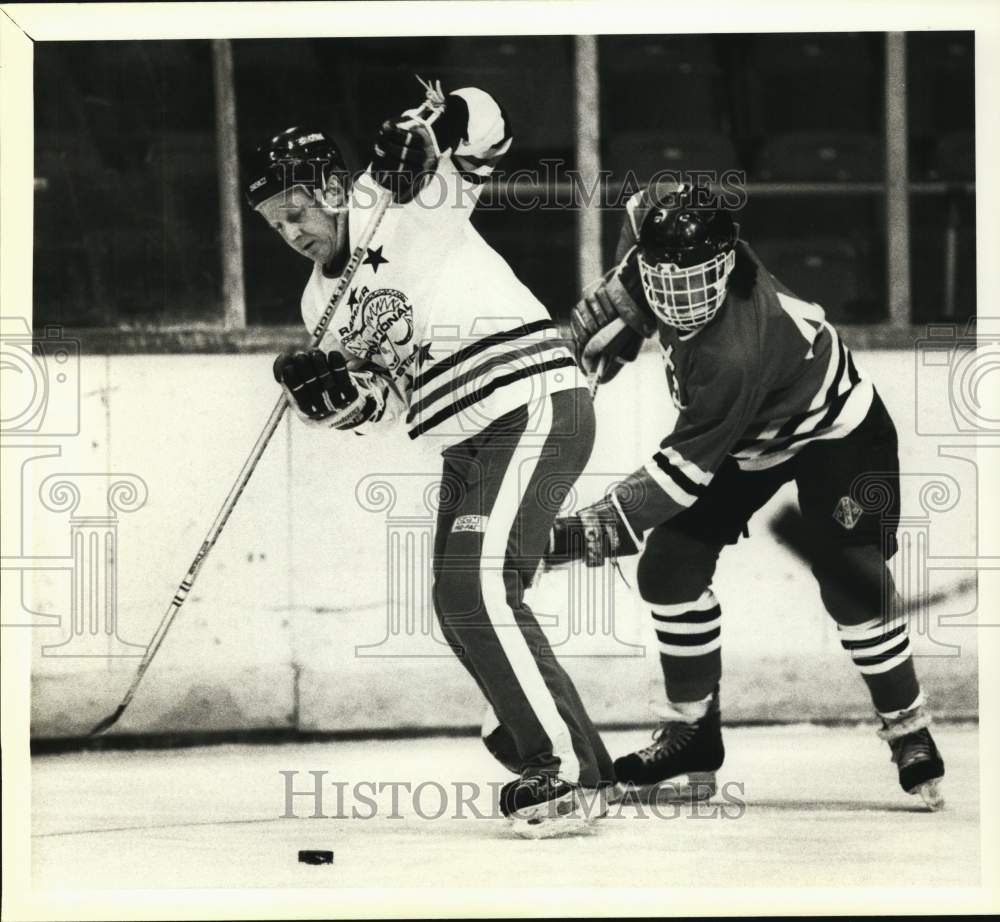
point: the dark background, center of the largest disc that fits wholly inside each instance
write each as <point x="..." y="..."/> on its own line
<point x="126" y="202"/>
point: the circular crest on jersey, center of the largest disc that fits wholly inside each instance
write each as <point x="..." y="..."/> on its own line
<point x="685" y="257"/>
<point x="294" y="157"/>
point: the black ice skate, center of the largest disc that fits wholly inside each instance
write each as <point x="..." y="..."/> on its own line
<point x="678" y="749"/>
<point x="540" y="805"/>
<point x="920" y="765"/>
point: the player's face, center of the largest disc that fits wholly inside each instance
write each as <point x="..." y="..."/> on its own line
<point x="306" y="223"/>
<point x="680" y="286"/>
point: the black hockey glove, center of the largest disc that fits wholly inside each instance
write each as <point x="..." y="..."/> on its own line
<point x="593" y="535"/>
<point x="611" y="320"/>
<point x="406" y="153"/>
<point x="403" y="159"/>
<point x="322" y="388"/>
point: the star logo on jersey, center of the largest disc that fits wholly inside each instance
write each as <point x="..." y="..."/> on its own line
<point x="374" y="258"/>
<point x="848" y="512"/>
<point x="423" y="355"/>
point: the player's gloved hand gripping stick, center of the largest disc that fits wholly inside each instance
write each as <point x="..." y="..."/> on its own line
<point x="421" y="116"/>
<point x="596" y="533"/>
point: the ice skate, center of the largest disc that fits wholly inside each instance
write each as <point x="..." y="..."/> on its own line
<point x="540" y="805"/>
<point x="920" y="765"/>
<point x="680" y="763"/>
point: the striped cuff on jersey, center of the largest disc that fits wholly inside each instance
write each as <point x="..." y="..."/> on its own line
<point x="876" y="646"/>
<point x="476" y="371"/>
<point x="689" y="628"/>
<point x="826" y="410"/>
<point x="682" y="480"/>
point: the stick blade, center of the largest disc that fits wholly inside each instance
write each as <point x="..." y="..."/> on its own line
<point x="822" y="553"/>
<point x="107" y="722"/>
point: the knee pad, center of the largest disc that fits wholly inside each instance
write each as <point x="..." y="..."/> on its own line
<point x="675" y="567"/>
<point x="855" y="584"/>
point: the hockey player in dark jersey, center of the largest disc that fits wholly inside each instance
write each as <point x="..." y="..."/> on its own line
<point x="766" y="392"/>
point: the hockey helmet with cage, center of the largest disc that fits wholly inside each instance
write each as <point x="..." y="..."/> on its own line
<point x="295" y="157"/>
<point x="685" y="257"/>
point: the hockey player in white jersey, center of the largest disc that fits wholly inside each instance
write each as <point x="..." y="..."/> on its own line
<point x="437" y="330"/>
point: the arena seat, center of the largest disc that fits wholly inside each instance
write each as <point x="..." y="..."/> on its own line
<point x="821" y="269"/>
<point x="939" y="72"/>
<point x="820" y="157"/>
<point x="661" y="83"/>
<point x="662" y="54"/>
<point x="954" y="157"/>
<point x="813" y="83"/>
<point x="928" y="267"/>
<point x="646" y="153"/>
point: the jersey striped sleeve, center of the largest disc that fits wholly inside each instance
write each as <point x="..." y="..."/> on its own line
<point x="838" y="399"/>
<point x="720" y="404"/>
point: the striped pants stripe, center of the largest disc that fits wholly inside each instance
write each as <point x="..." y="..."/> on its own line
<point x="500" y="493"/>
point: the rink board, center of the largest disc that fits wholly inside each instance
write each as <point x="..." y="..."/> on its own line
<point x="297" y="621"/>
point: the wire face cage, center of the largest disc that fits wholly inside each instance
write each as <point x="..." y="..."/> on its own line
<point x="687" y="298"/>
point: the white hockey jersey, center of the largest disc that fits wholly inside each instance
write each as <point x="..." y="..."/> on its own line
<point x="434" y="306"/>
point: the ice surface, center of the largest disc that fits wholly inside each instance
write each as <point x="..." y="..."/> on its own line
<point x="818" y="806"/>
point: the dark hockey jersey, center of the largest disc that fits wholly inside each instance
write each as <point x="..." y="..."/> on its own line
<point x="768" y="376"/>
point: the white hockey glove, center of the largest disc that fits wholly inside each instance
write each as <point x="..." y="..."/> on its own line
<point x="611" y="320"/>
<point x="321" y="389"/>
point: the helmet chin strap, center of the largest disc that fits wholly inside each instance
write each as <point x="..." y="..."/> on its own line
<point x="339" y="259"/>
<point x="320" y="196"/>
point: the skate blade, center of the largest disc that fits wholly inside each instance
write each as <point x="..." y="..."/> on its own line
<point x="930" y="793"/>
<point x="564" y="816"/>
<point x="697" y="786"/>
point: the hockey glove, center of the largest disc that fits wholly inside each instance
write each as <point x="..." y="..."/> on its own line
<point x="593" y="535"/>
<point x="611" y="320"/>
<point x="322" y="389"/>
<point x="406" y="153"/>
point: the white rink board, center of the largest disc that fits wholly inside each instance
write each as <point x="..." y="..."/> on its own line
<point x="299" y="580"/>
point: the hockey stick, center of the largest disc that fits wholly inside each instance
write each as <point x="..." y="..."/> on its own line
<point x="246" y="471"/>
<point x="811" y="547"/>
<point x="594" y="378"/>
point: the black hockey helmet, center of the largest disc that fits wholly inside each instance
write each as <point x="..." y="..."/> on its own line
<point x="295" y="157"/>
<point x="686" y="254"/>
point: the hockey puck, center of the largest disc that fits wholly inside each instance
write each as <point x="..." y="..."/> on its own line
<point x="315" y="856"/>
